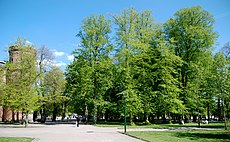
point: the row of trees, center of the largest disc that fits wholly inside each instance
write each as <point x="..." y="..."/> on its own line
<point x="166" y="70"/>
<point x="32" y="83"/>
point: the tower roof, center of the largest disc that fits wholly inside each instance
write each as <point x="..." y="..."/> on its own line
<point x="2" y="63"/>
<point x="13" y="48"/>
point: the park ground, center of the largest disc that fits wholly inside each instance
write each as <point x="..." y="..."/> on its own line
<point x="114" y="133"/>
<point x="66" y="133"/>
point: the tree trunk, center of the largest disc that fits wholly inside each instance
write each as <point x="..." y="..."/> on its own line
<point x="3" y="114"/>
<point x="131" y="118"/>
<point x="170" y="118"/>
<point x="147" y="118"/>
<point x="151" y="117"/>
<point x="181" y="121"/>
<point x="13" y="118"/>
<point x="164" y="118"/>
<point x="86" y="114"/>
<point x="158" y="117"/>
<point x="194" y="118"/>
<point x="54" y="113"/>
<point x="63" y="111"/>
<point x="199" y="120"/>
<point x="218" y="109"/>
<point x="227" y="110"/>
<point x="173" y="118"/>
<point x="186" y="119"/>
<point x="43" y="114"/>
<point x="225" y="121"/>
<point x="208" y="112"/>
<point x="27" y="120"/>
<point x="95" y="113"/>
<point x="35" y="115"/>
<point x="17" y="116"/>
<point x="106" y="115"/>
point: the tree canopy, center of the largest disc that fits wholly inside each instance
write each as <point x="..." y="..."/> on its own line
<point x="165" y="70"/>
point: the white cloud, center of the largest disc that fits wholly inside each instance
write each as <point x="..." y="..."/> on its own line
<point x="57" y="53"/>
<point x="59" y="63"/>
<point x="70" y="57"/>
<point x="28" y="42"/>
<point x="53" y="63"/>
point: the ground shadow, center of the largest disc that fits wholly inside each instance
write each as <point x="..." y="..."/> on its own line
<point x="225" y="135"/>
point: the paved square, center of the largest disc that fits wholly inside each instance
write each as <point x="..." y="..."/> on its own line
<point x="66" y="133"/>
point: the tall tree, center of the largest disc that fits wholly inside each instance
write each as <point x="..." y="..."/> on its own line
<point x="166" y="85"/>
<point x="126" y="36"/>
<point x="220" y="74"/>
<point x="226" y="49"/>
<point x="21" y="78"/>
<point x="90" y="62"/>
<point x="54" y="87"/>
<point x="191" y="30"/>
<point x="199" y="92"/>
<point x="146" y="32"/>
<point x="79" y="86"/>
<point x="45" y="59"/>
<point x="205" y="87"/>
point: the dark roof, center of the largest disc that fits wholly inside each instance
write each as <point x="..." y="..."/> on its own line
<point x="2" y="63"/>
<point x="13" y="48"/>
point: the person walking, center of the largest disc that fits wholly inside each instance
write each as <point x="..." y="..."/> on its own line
<point x="78" y="120"/>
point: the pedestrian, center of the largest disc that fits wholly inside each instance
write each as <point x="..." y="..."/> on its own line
<point x="78" y="120"/>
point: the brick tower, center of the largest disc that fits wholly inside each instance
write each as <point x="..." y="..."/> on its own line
<point x="7" y="114"/>
<point x="13" y="53"/>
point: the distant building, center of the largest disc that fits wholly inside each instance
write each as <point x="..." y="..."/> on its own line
<point x="6" y="113"/>
<point x="2" y="81"/>
<point x="13" y="53"/>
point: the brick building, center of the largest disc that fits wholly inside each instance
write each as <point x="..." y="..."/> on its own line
<point x="6" y="113"/>
<point x="2" y="81"/>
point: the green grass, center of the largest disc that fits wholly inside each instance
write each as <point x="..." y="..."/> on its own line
<point x="210" y="125"/>
<point x="13" y="139"/>
<point x="184" y="136"/>
<point x="109" y="124"/>
<point x="160" y="126"/>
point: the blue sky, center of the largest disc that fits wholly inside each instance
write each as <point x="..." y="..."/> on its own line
<point x="54" y="23"/>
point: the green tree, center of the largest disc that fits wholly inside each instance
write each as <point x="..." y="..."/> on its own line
<point x="157" y="72"/>
<point x="79" y="86"/>
<point x="21" y="79"/>
<point x="191" y="31"/>
<point x="220" y="74"/>
<point x="54" y="87"/>
<point x="200" y="93"/>
<point x="45" y="59"/>
<point x="226" y="49"/>
<point x="128" y="31"/>
<point x="166" y="85"/>
<point x="90" y="64"/>
<point x="2" y="83"/>
<point x="145" y="31"/>
<point x="204" y="86"/>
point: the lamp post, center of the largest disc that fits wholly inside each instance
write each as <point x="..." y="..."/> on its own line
<point x="124" y="112"/>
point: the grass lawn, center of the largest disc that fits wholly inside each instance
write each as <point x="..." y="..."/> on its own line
<point x="13" y="139"/>
<point x="210" y="125"/>
<point x="120" y="125"/>
<point x="184" y="136"/>
<point x="110" y="124"/>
